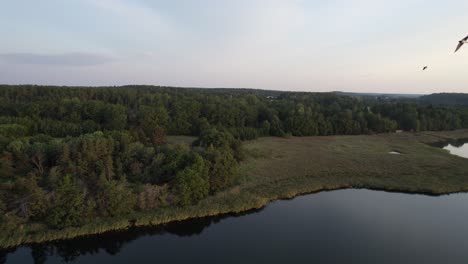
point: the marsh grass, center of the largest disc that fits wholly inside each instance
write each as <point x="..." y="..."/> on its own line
<point x="282" y="168"/>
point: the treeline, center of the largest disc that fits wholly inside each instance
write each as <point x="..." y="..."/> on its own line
<point x="247" y="114"/>
<point x="445" y="99"/>
<point x="71" y="154"/>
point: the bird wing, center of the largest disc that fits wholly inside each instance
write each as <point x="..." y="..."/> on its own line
<point x="465" y="39"/>
<point x="460" y="44"/>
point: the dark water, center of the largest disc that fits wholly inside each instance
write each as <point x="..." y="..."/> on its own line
<point x="347" y="226"/>
<point x="458" y="149"/>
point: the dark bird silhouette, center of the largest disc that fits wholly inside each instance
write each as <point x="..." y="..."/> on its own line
<point x="461" y="42"/>
<point x="424" y="68"/>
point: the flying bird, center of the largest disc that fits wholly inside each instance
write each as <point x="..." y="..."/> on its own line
<point x="424" y="68"/>
<point x="461" y="42"/>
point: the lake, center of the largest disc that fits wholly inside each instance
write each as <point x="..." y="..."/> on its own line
<point x="458" y="149"/>
<point x="345" y="226"/>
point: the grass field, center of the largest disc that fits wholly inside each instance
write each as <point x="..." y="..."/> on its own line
<point x="279" y="168"/>
<point x="315" y="163"/>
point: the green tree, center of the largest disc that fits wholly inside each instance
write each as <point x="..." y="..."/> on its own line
<point x="2" y="210"/>
<point x="191" y="184"/>
<point x="13" y="130"/>
<point x="29" y="197"/>
<point x="222" y="168"/>
<point x="6" y="166"/>
<point x="68" y="205"/>
<point x="152" y="118"/>
<point x="114" y="198"/>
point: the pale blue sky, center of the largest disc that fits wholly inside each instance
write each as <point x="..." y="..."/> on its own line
<point x="348" y="45"/>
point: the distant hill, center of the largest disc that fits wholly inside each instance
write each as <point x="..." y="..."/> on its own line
<point x="379" y="95"/>
<point x="445" y="99"/>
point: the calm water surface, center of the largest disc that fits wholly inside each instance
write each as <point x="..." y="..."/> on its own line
<point x="458" y="149"/>
<point x="347" y="226"/>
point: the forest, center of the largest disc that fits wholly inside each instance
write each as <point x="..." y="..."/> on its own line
<point x="446" y="99"/>
<point x="69" y="155"/>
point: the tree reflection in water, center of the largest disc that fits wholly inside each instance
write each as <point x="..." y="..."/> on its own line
<point x="113" y="242"/>
<point x="456" y="143"/>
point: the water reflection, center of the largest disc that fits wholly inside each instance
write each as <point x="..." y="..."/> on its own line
<point x="113" y="242"/>
<point x="459" y="148"/>
<point x="346" y="226"/>
<point x="455" y="142"/>
<point x="4" y="254"/>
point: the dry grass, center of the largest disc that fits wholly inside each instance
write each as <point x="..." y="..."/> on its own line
<point x="361" y="161"/>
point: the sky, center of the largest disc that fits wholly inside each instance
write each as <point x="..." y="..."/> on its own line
<point x="295" y="45"/>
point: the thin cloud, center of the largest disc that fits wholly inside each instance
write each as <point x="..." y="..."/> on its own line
<point x="65" y="59"/>
<point x="137" y="17"/>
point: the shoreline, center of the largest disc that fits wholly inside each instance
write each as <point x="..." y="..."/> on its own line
<point x="282" y="169"/>
<point x="135" y="223"/>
